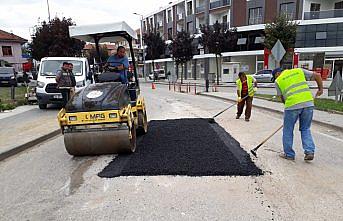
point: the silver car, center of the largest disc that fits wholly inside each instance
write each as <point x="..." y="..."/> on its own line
<point x="263" y="76"/>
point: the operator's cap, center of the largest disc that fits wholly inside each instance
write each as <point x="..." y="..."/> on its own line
<point x="276" y="70"/>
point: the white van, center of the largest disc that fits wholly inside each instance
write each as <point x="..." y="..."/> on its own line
<point x="47" y="92"/>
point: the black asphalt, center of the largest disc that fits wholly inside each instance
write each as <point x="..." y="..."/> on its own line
<point x="189" y="147"/>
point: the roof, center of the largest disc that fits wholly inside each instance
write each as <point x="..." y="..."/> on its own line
<point x="64" y="58"/>
<point x="106" y="31"/>
<point x="10" y="37"/>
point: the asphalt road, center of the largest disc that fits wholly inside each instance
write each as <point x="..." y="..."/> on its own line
<point x="45" y="183"/>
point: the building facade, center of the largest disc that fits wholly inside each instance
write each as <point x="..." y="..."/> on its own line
<point x="319" y="41"/>
<point x="10" y="49"/>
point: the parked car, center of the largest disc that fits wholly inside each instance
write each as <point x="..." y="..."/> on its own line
<point x="263" y="76"/>
<point x="157" y="74"/>
<point x="8" y="76"/>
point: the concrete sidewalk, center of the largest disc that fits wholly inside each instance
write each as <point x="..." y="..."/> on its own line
<point x="332" y="120"/>
<point x="24" y="127"/>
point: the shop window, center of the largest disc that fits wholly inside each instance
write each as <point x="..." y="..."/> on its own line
<point x="339" y="5"/>
<point x="7" y="51"/>
<point x="320" y="35"/>
<point x="242" y="41"/>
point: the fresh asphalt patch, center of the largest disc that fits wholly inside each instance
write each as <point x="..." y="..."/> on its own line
<point x="187" y="147"/>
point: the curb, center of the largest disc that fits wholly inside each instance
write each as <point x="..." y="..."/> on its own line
<point x="276" y="111"/>
<point x="28" y="145"/>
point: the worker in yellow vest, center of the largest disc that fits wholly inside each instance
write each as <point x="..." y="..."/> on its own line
<point x="246" y="88"/>
<point x="296" y="95"/>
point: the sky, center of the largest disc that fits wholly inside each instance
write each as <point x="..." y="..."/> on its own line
<point x="20" y="16"/>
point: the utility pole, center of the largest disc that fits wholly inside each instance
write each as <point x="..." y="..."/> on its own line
<point x="47" y="1"/>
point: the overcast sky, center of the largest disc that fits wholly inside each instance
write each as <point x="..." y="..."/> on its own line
<point x="18" y="16"/>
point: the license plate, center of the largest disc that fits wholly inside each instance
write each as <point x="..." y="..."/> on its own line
<point x="5" y="82"/>
<point x="58" y="96"/>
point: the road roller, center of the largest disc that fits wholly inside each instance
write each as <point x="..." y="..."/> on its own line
<point x="106" y="116"/>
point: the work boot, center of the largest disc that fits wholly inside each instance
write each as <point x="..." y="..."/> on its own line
<point x="309" y="156"/>
<point x="237" y="116"/>
<point x="247" y="119"/>
<point x="284" y="156"/>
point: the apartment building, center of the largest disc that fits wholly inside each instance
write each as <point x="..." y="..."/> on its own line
<point x="319" y="41"/>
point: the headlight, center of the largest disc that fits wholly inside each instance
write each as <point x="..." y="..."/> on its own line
<point x="12" y="77"/>
<point x="72" y="118"/>
<point x="80" y="84"/>
<point x="40" y="84"/>
<point x="113" y="115"/>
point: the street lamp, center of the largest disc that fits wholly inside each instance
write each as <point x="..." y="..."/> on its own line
<point x="142" y="46"/>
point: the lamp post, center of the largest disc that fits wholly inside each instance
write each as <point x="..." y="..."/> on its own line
<point x="142" y="46"/>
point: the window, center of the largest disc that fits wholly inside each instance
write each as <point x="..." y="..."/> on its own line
<point x="190" y="27"/>
<point x="170" y="33"/>
<point x="170" y="16"/>
<point x="288" y="9"/>
<point x="339" y="5"/>
<point x="315" y="7"/>
<point x="7" y="51"/>
<point x="224" y="19"/>
<point x="255" y="16"/>
<point x="189" y="8"/>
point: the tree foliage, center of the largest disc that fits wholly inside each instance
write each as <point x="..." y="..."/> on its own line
<point x="282" y="29"/>
<point x="218" y="38"/>
<point x="155" y="45"/>
<point x="52" y="39"/>
<point x="91" y="54"/>
<point x="181" y="47"/>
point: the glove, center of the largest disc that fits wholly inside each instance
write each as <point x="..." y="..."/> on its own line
<point x="255" y="89"/>
<point x="239" y="99"/>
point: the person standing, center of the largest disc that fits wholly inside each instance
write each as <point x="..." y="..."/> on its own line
<point x="64" y="82"/>
<point x="73" y="81"/>
<point x="119" y="63"/>
<point x="296" y="95"/>
<point x="246" y="88"/>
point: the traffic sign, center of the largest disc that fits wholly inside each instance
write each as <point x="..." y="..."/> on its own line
<point x="278" y="51"/>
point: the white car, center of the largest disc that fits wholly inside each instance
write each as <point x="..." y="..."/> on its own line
<point x="263" y="76"/>
<point x="157" y="74"/>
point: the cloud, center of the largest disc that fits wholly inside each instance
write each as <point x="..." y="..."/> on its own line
<point x="20" y="16"/>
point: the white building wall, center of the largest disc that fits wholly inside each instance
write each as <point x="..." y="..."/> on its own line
<point x="324" y="4"/>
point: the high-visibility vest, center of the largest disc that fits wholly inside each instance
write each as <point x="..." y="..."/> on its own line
<point x="294" y="88"/>
<point x="250" y="80"/>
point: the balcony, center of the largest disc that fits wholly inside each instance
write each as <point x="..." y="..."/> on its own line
<point x="200" y="9"/>
<point x="220" y="3"/>
<point x="335" y="13"/>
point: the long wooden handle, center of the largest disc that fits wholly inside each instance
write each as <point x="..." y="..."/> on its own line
<point x="229" y="107"/>
<point x="265" y="140"/>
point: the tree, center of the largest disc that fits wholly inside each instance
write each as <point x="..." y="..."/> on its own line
<point x="91" y="55"/>
<point x="217" y="39"/>
<point x="155" y="47"/>
<point x="52" y="39"/>
<point x="182" y="49"/>
<point x="284" y="30"/>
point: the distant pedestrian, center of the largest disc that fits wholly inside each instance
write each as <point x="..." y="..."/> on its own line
<point x="246" y="88"/>
<point x="65" y="82"/>
<point x="291" y="86"/>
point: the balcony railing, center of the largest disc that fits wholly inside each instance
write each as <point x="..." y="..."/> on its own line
<point x="335" y="13"/>
<point x="200" y="9"/>
<point x="220" y="3"/>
